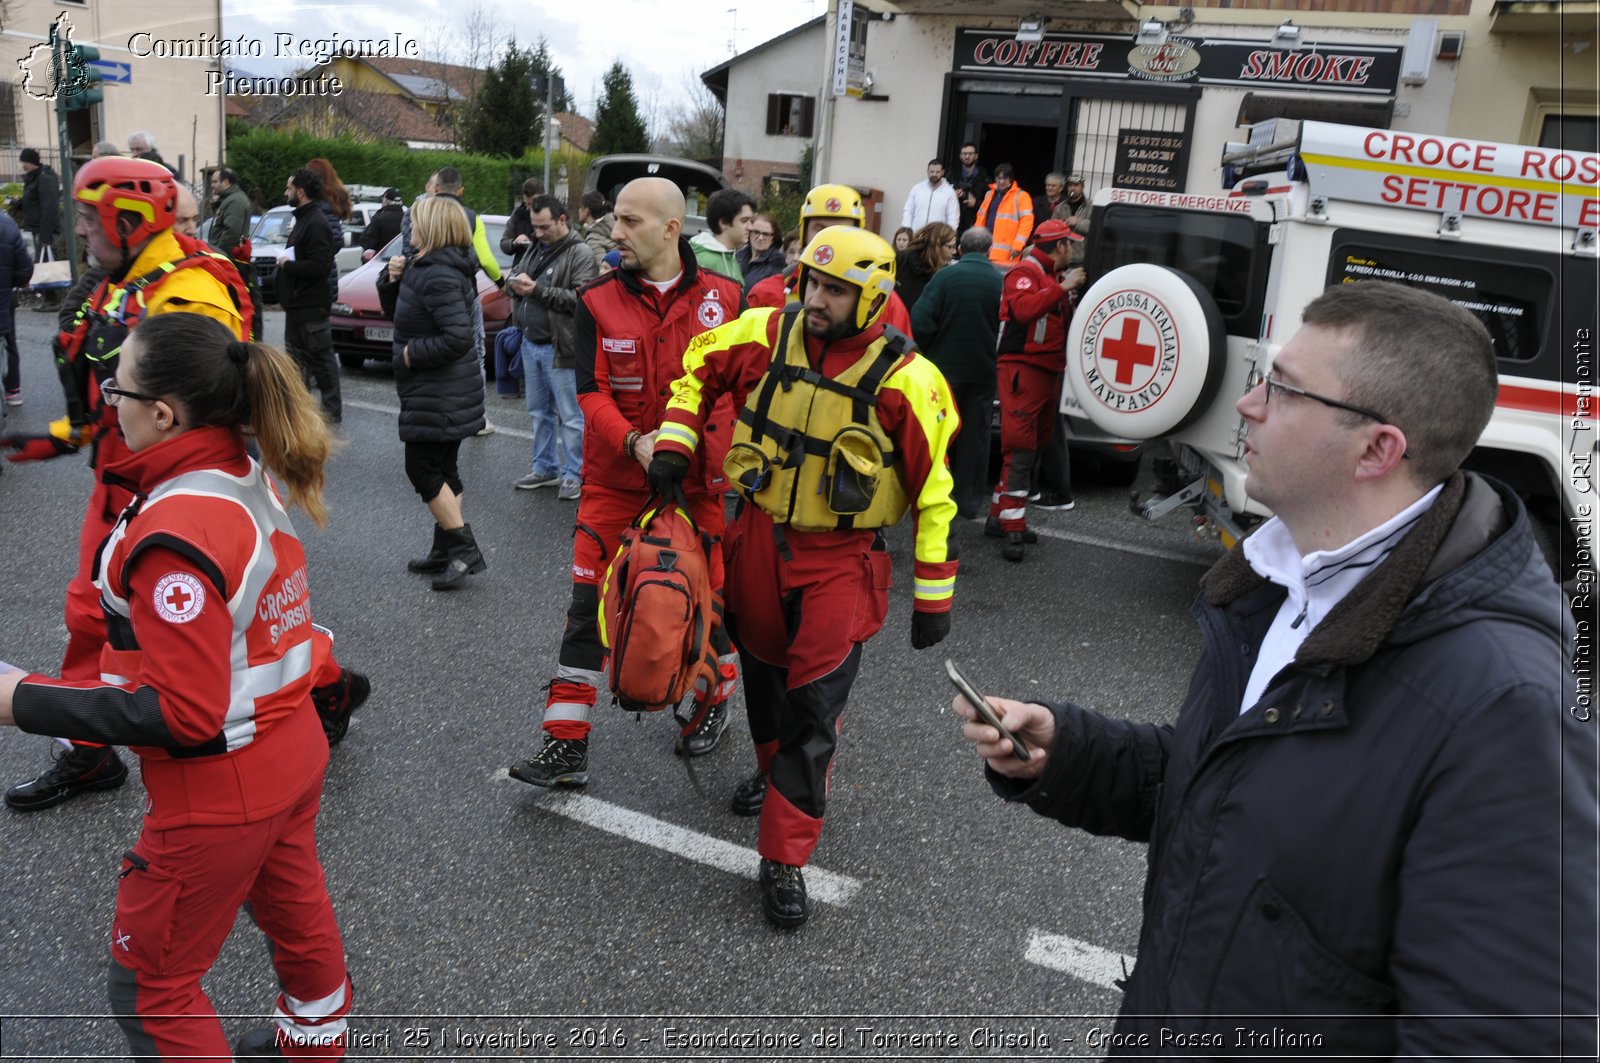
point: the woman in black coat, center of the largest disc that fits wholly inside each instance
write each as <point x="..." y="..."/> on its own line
<point x="436" y="373"/>
<point x="930" y="251"/>
<point x="762" y="256"/>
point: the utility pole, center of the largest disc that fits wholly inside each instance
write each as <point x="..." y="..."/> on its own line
<point x="77" y="87"/>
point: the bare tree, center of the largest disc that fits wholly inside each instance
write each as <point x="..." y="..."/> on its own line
<point x="694" y="124"/>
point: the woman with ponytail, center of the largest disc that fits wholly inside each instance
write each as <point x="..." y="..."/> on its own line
<point x="207" y="675"/>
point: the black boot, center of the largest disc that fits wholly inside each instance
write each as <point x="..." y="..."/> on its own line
<point x="76" y="770"/>
<point x="465" y="559"/>
<point x="336" y="701"/>
<point x="437" y="558"/>
<point x="750" y="795"/>
<point x="259" y="1044"/>
<point x="783" y="894"/>
<point x="1012" y="550"/>
<point x="992" y="530"/>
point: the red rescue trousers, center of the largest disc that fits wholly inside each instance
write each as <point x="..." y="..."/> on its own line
<point x="1029" y="398"/>
<point x="800" y="605"/>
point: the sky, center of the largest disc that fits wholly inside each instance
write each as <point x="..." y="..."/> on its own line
<point x="663" y="43"/>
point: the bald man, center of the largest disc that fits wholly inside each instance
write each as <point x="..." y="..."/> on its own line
<point x="187" y="221"/>
<point x="632" y="327"/>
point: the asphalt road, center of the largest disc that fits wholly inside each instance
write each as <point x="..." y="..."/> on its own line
<point x="486" y="919"/>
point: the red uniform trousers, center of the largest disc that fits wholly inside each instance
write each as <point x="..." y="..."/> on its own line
<point x="800" y="608"/>
<point x="1030" y="396"/>
<point x="179" y="894"/>
<point x="603" y="514"/>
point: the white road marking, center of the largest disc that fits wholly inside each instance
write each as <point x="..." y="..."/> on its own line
<point x="1107" y="544"/>
<point x="394" y="411"/>
<point x="825" y="886"/>
<point x="1086" y="962"/>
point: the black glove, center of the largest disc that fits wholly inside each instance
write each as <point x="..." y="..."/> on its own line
<point x="928" y="629"/>
<point x="666" y="474"/>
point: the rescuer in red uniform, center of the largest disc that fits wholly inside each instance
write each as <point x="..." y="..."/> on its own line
<point x="125" y="213"/>
<point x="206" y="674"/>
<point x="845" y="428"/>
<point x="632" y="327"/>
<point x="1035" y="305"/>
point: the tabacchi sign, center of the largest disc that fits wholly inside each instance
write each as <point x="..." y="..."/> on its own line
<point x="1353" y="68"/>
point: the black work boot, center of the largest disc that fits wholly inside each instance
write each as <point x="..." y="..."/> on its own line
<point x="437" y="558"/>
<point x="258" y="1044"/>
<point x="465" y="559"/>
<point x="783" y="894"/>
<point x="336" y="701"/>
<point x="992" y="530"/>
<point x="562" y="762"/>
<point x="750" y="795"/>
<point x="76" y="770"/>
<point x="704" y="738"/>
<point x="1012" y="550"/>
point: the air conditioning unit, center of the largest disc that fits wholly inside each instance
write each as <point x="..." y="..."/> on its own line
<point x="1417" y="61"/>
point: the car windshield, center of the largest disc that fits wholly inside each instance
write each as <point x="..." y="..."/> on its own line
<point x="273" y="228"/>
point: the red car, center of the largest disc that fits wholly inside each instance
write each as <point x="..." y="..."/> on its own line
<point x="361" y="332"/>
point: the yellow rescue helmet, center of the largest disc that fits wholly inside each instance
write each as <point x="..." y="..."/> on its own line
<point x="854" y="256"/>
<point x="833" y="201"/>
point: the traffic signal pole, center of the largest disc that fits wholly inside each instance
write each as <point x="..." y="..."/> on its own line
<point x="59" y="79"/>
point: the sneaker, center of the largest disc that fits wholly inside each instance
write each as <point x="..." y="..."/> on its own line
<point x="14" y="398"/>
<point x="992" y="530"/>
<point x="75" y="771"/>
<point x="1051" y="500"/>
<point x="336" y="701"/>
<point x="703" y="739"/>
<point x="535" y="480"/>
<point x="750" y="795"/>
<point x="562" y="762"/>
<point x="486" y="430"/>
<point x="783" y="894"/>
<point x="570" y="490"/>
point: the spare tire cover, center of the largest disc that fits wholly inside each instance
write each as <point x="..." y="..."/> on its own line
<point x="1145" y="351"/>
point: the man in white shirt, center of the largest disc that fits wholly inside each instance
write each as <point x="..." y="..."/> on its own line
<point x="931" y="200"/>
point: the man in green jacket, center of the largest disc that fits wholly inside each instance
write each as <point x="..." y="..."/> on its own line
<point x="728" y="216"/>
<point x="957" y="323"/>
<point x="230" y="229"/>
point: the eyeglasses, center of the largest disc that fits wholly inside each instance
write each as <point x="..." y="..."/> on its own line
<point x="112" y="395"/>
<point x="765" y="234"/>
<point x="1274" y="385"/>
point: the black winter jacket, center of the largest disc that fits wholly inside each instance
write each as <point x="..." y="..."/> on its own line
<point x="16" y="267"/>
<point x="41" y="203"/>
<point x="758" y="269"/>
<point x="384" y="226"/>
<point x="303" y="282"/>
<point x="1394" y="849"/>
<point x="441" y="393"/>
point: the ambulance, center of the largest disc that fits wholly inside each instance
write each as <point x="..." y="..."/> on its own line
<point x="1194" y="294"/>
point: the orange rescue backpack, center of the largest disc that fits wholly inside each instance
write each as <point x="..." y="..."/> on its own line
<point x="657" y="610"/>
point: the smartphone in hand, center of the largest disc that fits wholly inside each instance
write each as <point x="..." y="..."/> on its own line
<point x="1019" y="748"/>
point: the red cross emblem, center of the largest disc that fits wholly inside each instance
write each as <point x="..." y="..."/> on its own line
<point x="1127" y="352"/>
<point x="832" y="205"/>
<point x="179" y="597"/>
<point x="822" y="255"/>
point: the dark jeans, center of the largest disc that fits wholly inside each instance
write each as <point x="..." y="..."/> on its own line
<point x="309" y="337"/>
<point x="13" y="377"/>
<point x="969" y="453"/>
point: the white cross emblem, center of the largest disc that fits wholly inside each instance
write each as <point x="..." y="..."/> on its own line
<point x="122" y="940"/>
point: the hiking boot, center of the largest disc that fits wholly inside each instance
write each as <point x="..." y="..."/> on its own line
<point x="535" y="480"/>
<point x="258" y="1044"/>
<point x="336" y="701"/>
<point x="75" y="771"/>
<point x="570" y="490"/>
<point x="783" y="894"/>
<point x="1051" y="500"/>
<point x="703" y="739"/>
<point x="1013" y="549"/>
<point x="562" y="762"/>
<point x="992" y="530"/>
<point x="750" y="795"/>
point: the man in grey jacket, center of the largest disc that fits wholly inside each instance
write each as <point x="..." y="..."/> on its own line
<point x="544" y="285"/>
<point x="1372" y="827"/>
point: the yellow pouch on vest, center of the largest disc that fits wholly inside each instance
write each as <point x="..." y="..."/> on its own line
<point x="854" y="469"/>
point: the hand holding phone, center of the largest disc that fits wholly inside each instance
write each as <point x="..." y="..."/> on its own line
<point x="1019" y="748"/>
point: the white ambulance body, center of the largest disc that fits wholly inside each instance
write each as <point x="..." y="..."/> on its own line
<point x="1193" y="296"/>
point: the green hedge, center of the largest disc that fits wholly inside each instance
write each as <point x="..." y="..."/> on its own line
<point x="264" y="158"/>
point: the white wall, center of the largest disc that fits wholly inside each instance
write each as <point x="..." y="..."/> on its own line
<point x="793" y="67"/>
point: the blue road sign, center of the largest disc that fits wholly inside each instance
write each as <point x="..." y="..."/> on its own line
<point x="113" y="73"/>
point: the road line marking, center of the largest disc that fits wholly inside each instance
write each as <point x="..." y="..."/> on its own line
<point x="1127" y="548"/>
<point x="394" y="411"/>
<point x="1083" y="961"/>
<point x="824" y="886"/>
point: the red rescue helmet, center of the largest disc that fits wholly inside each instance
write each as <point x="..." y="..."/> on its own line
<point x="1053" y="231"/>
<point x="114" y="184"/>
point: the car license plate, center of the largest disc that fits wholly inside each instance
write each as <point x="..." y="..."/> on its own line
<point x="380" y="335"/>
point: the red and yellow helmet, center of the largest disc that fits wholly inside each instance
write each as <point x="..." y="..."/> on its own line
<point x="114" y="184"/>
<point x="856" y="257"/>
<point x="833" y="201"/>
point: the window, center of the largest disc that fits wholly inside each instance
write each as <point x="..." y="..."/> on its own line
<point x="10" y="127"/>
<point x="1570" y="132"/>
<point x="790" y="116"/>
<point x="1218" y="250"/>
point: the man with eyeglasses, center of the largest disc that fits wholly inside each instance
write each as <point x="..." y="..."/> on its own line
<point x="1373" y="824"/>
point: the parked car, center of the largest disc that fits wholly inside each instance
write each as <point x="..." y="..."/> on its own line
<point x="271" y="234"/>
<point x="698" y="181"/>
<point x="361" y="332"/>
